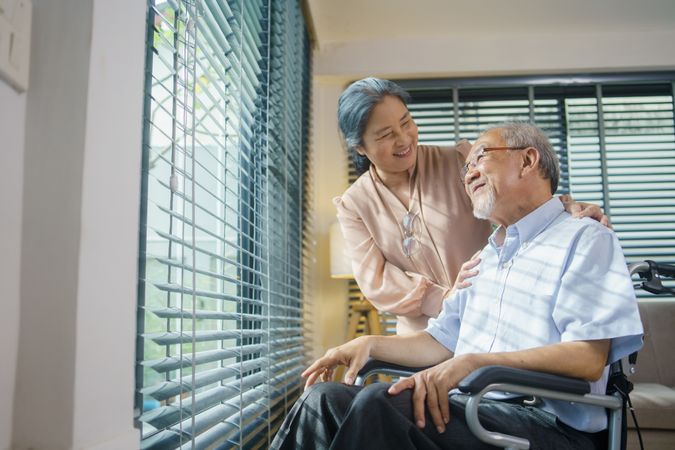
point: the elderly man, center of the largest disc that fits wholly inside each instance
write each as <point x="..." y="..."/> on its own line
<point x="553" y="295"/>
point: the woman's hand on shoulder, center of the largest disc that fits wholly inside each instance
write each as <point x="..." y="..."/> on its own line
<point x="466" y="272"/>
<point x="582" y="209"/>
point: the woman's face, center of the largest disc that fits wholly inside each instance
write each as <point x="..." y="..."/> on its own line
<point x="390" y="137"/>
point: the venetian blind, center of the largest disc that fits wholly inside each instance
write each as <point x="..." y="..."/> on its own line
<point x="220" y="318"/>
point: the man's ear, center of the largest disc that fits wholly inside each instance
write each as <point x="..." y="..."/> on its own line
<point x="530" y="160"/>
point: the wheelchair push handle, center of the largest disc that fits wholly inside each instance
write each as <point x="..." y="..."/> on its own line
<point x="651" y="275"/>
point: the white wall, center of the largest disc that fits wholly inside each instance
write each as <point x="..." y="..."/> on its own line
<point x="109" y="220"/>
<point x="510" y="53"/>
<point x="55" y="125"/>
<point x="12" y="117"/>
<point x="75" y="371"/>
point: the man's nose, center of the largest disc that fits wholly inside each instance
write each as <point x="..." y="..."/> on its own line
<point x="471" y="173"/>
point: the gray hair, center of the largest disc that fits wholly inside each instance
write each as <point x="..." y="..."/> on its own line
<point x="517" y="134"/>
<point x="354" y="108"/>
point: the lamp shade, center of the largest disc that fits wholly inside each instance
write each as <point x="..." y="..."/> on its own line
<point x="340" y="264"/>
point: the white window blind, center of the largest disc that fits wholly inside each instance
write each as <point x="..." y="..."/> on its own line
<point x="622" y="149"/>
<point x="464" y="113"/>
<point x="614" y="135"/>
<point x="220" y="318"/>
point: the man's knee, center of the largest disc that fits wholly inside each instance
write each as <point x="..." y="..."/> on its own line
<point x="371" y="395"/>
<point x="327" y="394"/>
<point x="375" y="391"/>
<point x="328" y="389"/>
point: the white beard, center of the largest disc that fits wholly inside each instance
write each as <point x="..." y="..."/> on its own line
<point x="484" y="203"/>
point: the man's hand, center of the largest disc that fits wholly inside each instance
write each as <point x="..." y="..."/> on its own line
<point x="578" y="359"/>
<point x="431" y="387"/>
<point x="581" y="209"/>
<point x="353" y="355"/>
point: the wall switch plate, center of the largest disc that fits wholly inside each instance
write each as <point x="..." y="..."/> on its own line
<point x="15" y="27"/>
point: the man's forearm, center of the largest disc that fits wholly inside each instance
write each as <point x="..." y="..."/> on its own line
<point x="417" y="349"/>
<point x="578" y="359"/>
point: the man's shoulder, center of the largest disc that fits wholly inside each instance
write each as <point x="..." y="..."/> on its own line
<point x="568" y="235"/>
<point x="566" y="224"/>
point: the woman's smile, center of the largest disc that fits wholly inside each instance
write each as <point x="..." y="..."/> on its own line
<point x="404" y="153"/>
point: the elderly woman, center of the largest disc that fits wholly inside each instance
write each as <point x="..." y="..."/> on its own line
<point x="407" y="222"/>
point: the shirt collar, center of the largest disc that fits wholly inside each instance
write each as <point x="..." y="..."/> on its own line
<point x="413" y="184"/>
<point x="531" y="225"/>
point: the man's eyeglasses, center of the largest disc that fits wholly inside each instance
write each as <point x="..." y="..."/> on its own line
<point x="411" y="230"/>
<point x="473" y="162"/>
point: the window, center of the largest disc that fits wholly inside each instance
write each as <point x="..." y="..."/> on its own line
<point x="614" y="136"/>
<point x="220" y="316"/>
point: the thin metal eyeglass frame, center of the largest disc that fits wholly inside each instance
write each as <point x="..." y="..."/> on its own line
<point x="474" y="160"/>
<point x="409" y="233"/>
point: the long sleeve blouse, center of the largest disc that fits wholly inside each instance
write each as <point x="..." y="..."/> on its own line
<point x="370" y="216"/>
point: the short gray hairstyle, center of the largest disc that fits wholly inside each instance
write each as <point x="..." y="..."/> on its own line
<point x="520" y="134"/>
<point x="354" y="108"/>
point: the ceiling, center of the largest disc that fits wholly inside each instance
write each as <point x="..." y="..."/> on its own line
<point x="344" y="21"/>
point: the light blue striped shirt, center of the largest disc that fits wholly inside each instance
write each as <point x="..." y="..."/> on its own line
<point x="555" y="279"/>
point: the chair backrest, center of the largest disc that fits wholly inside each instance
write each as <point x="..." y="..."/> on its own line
<point x="657" y="360"/>
<point x="656" y="363"/>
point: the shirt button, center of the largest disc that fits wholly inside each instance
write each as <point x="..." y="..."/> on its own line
<point x="525" y="244"/>
<point x="507" y="264"/>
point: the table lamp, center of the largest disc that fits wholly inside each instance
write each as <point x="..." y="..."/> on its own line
<point x="340" y="264"/>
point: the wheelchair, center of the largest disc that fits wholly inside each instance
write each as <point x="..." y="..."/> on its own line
<point x="543" y="385"/>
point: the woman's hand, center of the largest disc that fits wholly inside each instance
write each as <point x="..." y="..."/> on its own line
<point x="581" y="209"/>
<point x="467" y="271"/>
<point x="353" y="355"/>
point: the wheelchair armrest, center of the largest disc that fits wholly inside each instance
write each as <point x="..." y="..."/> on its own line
<point x="543" y="385"/>
<point x="375" y="366"/>
<point x="481" y="378"/>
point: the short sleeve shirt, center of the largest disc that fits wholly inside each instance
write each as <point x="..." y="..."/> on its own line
<point x="555" y="279"/>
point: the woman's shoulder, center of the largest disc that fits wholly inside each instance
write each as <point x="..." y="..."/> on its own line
<point x="443" y="152"/>
<point x="355" y="193"/>
<point x="440" y="159"/>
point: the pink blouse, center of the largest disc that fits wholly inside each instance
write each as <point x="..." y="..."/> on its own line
<point x="370" y="217"/>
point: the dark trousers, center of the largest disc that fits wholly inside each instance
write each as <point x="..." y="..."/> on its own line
<point x="336" y="416"/>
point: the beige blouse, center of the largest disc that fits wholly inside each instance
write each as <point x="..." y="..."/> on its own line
<point x="370" y="217"/>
